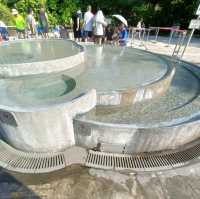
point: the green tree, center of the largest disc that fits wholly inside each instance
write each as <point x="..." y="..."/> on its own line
<point x="154" y="12"/>
<point x="62" y="10"/>
<point x="59" y="11"/>
<point x="5" y="14"/>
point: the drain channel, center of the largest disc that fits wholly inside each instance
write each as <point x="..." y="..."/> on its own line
<point x="144" y="161"/>
<point x="28" y="162"/>
<point x="25" y="162"/>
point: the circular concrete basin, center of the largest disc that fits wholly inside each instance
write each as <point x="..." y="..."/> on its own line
<point x="30" y="57"/>
<point x="119" y="75"/>
<point x="35" y="108"/>
<point x="167" y="122"/>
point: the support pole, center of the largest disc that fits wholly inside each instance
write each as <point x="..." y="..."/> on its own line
<point x="170" y="38"/>
<point x="157" y="32"/>
<point x="188" y="43"/>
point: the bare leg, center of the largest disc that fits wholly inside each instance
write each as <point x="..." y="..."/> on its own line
<point x="100" y="40"/>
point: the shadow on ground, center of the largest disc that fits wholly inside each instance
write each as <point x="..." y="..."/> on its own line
<point x="12" y="188"/>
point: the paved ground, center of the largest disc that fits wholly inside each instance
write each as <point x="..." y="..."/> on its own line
<point x="77" y="182"/>
<point x="192" y="53"/>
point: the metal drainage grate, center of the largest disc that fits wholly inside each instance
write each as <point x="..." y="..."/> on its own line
<point x="27" y="162"/>
<point x="142" y="162"/>
<point x="19" y="161"/>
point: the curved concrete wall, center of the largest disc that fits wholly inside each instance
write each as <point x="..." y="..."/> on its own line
<point x="45" y="130"/>
<point x="113" y="138"/>
<point x="134" y="139"/>
<point x="131" y="96"/>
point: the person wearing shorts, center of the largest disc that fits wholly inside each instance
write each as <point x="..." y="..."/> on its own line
<point x="19" y="23"/>
<point x="99" y="25"/>
<point x="3" y="31"/>
<point x="88" y="23"/>
<point x="87" y="34"/>
<point x="77" y="25"/>
<point x="31" y="23"/>
<point x="43" y="19"/>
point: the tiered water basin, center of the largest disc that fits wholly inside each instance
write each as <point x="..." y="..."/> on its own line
<point x="59" y="100"/>
<point x="167" y="122"/>
<point x="36" y="115"/>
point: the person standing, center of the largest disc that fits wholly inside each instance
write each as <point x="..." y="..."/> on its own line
<point x="3" y="31"/>
<point x="19" y="23"/>
<point x="88" y="22"/>
<point x="77" y="25"/>
<point x="123" y="35"/>
<point x="99" y="25"/>
<point x="140" y="27"/>
<point x="108" y="34"/>
<point x="115" y="36"/>
<point x="43" y="19"/>
<point x="31" y="23"/>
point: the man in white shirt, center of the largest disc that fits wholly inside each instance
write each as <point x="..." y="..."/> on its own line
<point x="88" y="23"/>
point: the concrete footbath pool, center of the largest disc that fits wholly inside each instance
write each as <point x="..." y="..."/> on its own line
<point x="21" y="58"/>
<point x="100" y="106"/>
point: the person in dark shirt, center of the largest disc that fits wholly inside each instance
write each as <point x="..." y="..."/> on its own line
<point x="108" y="34"/>
<point x="77" y="18"/>
<point x="115" y="36"/>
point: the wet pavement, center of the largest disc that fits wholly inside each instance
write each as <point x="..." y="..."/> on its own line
<point x="78" y="182"/>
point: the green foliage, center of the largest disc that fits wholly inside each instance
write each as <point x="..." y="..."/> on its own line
<point x="5" y="15"/>
<point x="66" y="10"/>
<point x="23" y="5"/>
<point x="154" y="12"/>
<point x="176" y="12"/>
<point x="60" y="11"/>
